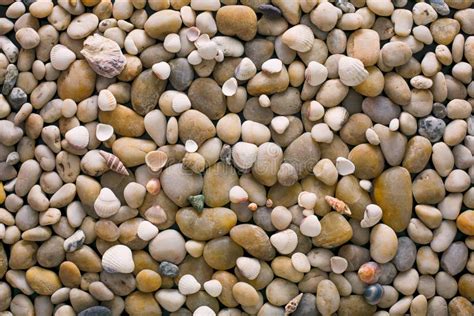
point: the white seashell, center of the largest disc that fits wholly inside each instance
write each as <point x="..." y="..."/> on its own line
<point x="229" y="88"/>
<point x="285" y="241"/>
<point x="188" y="285"/>
<point x="220" y="56"/>
<point x="180" y="103"/>
<point x="338" y="264"/>
<point x="308" y="212"/>
<point x="351" y="71"/>
<point x="106" y="204"/>
<point x="244" y="155"/>
<point x="156" y="160"/>
<point x="172" y="43"/>
<point x="315" y="74"/>
<point x="280" y="124"/>
<point x="61" y="57"/>
<point x="245" y="70"/>
<point x="106" y="100"/>
<point x="213" y="287"/>
<point x="229" y="46"/>
<point x="272" y="66"/>
<point x="315" y="111"/>
<point x="300" y="262"/>
<point x="238" y="195"/>
<point x="162" y="70"/>
<point x="194" y="58"/>
<point x="206" y="48"/>
<point x="193" y="33"/>
<point x="366" y="185"/>
<point x="321" y="133"/>
<point x="310" y="226"/>
<point x="191" y="146"/>
<point x="147" y="231"/>
<point x="104" y="132"/>
<point x="118" y="259"/>
<point x="264" y="101"/>
<point x="307" y="200"/>
<point x="195" y="248"/>
<point x="394" y="125"/>
<point x="299" y="38"/>
<point x="344" y="166"/>
<point x="372" y="215"/>
<point x="204" y="311"/>
<point x="336" y="117"/>
<point x="372" y="136"/>
<point x="78" y="137"/>
<point x="249" y="267"/>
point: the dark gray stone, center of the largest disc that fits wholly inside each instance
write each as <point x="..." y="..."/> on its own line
<point x="17" y="98"/>
<point x="388" y="272"/>
<point x="439" y="110"/>
<point x="454" y="259"/>
<point x="96" y="311"/>
<point x="307" y="306"/>
<point x="431" y="128"/>
<point x="182" y="74"/>
<point x="269" y="11"/>
<point x="10" y="79"/>
<point x="169" y="269"/>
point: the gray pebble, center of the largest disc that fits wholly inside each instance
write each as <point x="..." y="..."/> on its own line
<point x="440" y="6"/>
<point x="355" y="256"/>
<point x="439" y="110"/>
<point x="169" y="269"/>
<point x="182" y="74"/>
<point x="10" y="79"/>
<point x="437" y="306"/>
<point x="431" y="128"/>
<point x="388" y="273"/>
<point x="345" y="6"/>
<point x="262" y="218"/>
<point x="226" y="154"/>
<point x="96" y="311"/>
<point x="406" y="254"/>
<point x="307" y="306"/>
<point x="454" y="259"/>
<point x="269" y="11"/>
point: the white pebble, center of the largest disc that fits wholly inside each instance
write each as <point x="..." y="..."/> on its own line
<point x="188" y="285"/>
<point x="280" y="124"/>
<point x="272" y="66"/>
<point x="310" y="226"/>
<point x="147" y="231"/>
<point x="338" y="264"/>
<point x="213" y="288"/>
<point x="162" y="70"/>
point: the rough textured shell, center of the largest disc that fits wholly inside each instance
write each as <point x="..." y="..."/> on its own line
<point x="104" y="132"/>
<point x="351" y="71"/>
<point x="106" y="101"/>
<point x="114" y="163"/>
<point x="118" y="259"/>
<point x="285" y="241"/>
<point x="106" y="204"/>
<point x="103" y="55"/>
<point x="61" y="57"/>
<point x="338" y="205"/>
<point x="156" y="160"/>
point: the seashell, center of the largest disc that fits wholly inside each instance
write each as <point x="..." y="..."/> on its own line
<point x="191" y="146"/>
<point x="338" y="205"/>
<point x="106" y="100"/>
<point x="264" y="101"/>
<point x="172" y="43"/>
<point x="338" y="264"/>
<point x="315" y="111"/>
<point x="249" y="267"/>
<point x="373" y="294"/>
<point x="114" y="163"/>
<point x="156" y="160"/>
<point x="147" y="231"/>
<point x="78" y="137"/>
<point x="229" y="88"/>
<point x="280" y="124"/>
<point x="118" y="259"/>
<point x="394" y="125"/>
<point x="104" y="132"/>
<point x="351" y="71"/>
<point x="285" y="241"/>
<point x="206" y="48"/>
<point x="344" y="166"/>
<point x="238" y="195"/>
<point x="272" y="66"/>
<point x="336" y="117"/>
<point x="300" y="262"/>
<point x="106" y="204"/>
<point x="213" y="287"/>
<point x="197" y="201"/>
<point x="204" y="311"/>
<point x="299" y="38"/>
<point x="134" y="194"/>
<point x="293" y="304"/>
<point x="220" y="56"/>
<point x="194" y="58"/>
<point x="372" y="215"/>
<point x="103" y="55"/>
<point x="153" y="186"/>
<point x="188" y="285"/>
<point x="245" y="70"/>
<point x="193" y="33"/>
<point x="372" y="136"/>
<point x="310" y="225"/>
<point x="195" y="248"/>
<point x="366" y="185"/>
<point x="307" y="212"/>
<point x="315" y="74"/>
<point x="307" y="200"/>
<point x="162" y="70"/>
<point x="369" y="272"/>
<point x="61" y="57"/>
<point x="252" y="207"/>
<point x="180" y="103"/>
<point x="156" y="215"/>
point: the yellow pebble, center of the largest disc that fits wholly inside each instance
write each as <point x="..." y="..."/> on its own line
<point x="2" y="193"/>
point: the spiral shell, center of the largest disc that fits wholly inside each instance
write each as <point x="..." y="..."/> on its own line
<point x="285" y="241"/>
<point x="338" y="205"/>
<point x="106" y="101"/>
<point x="351" y="71"/>
<point x="118" y="259"/>
<point x="114" y="163"/>
<point x="369" y="272"/>
<point x="293" y="304"/>
<point x="156" y="160"/>
<point x="249" y="267"/>
<point x="373" y="294"/>
<point x="106" y="204"/>
<point x="61" y="57"/>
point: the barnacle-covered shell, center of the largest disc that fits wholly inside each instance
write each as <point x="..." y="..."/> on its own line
<point x="351" y="71"/>
<point x="61" y="57"/>
<point x="104" y="56"/>
<point x="106" y="204"/>
<point x="118" y="259"/>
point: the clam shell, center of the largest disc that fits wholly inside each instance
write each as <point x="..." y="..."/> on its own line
<point x="245" y="70"/>
<point x="238" y="195"/>
<point x="249" y="267"/>
<point x="191" y="146"/>
<point x="106" y="204"/>
<point x="172" y="43"/>
<point x="162" y="70"/>
<point x="372" y="215"/>
<point x="336" y="117"/>
<point x="153" y="186"/>
<point x="180" y="103"/>
<point x="338" y="264"/>
<point x="272" y="66"/>
<point x="156" y="215"/>
<point x="229" y="88"/>
<point x="61" y="57"/>
<point x="351" y="71"/>
<point x="188" y="285"/>
<point x="195" y="248"/>
<point x="280" y="124"/>
<point x="213" y="288"/>
<point x="299" y="38"/>
<point x="310" y="225"/>
<point x="78" y="137"/>
<point x="194" y="58"/>
<point x="315" y="111"/>
<point x="147" y="231"/>
<point x="315" y="74"/>
<point x="285" y="241"/>
<point x="104" y="132"/>
<point x="307" y="200"/>
<point x="344" y="166"/>
<point x="156" y="160"/>
<point x="118" y="259"/>
<point x="193" y="33"/>
<point x="106" y="101"/>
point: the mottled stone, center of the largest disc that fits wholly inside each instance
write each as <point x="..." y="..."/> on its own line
<point x="254" y="240"/>
<point x="335" y="231"/>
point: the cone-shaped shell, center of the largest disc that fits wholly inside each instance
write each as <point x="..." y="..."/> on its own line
<point x="351" y="71"/>
<point x="114" y="163"/>
<point x="156" y="160"/>
<point x="106" y="204"/>
<point x="118" y="259"/>
<point x="106" y="100"/>
<point x="61" y="57"/>
<point x="104" y="132"/>
<point x="293" y="304"/>
<point x="249" y="267"/>
<point x="285" y="241"/>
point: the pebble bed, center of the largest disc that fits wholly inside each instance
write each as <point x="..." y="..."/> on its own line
<point x="236" y="157"/>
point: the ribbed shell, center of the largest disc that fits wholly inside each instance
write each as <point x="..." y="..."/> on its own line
<point x="118" y="259"/>
<point x="106" y="204"/>
<point x="156" y="160"/>
<point x="106" y="100"/>
<point x="114" y="163"/>
<point x="61" y="57"/>
<point x="351" y="71"/>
